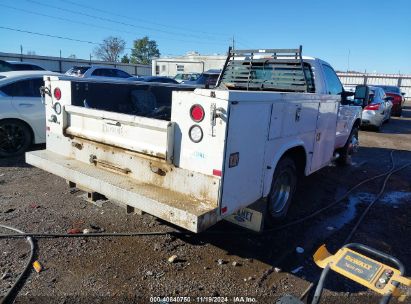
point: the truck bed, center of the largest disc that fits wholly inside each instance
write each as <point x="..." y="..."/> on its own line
<point x="177" y="208"/>
<point x="144" y="99"/>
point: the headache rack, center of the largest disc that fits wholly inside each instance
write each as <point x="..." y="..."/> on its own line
<point x="269" y="69"/>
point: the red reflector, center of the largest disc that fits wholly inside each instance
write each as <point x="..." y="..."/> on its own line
<point x="372" y="107"/>
<point x="197" y="113"/>
<point x="224" y="209"/>
<point x="57" y="93"/>
<point x="217" y="172"/>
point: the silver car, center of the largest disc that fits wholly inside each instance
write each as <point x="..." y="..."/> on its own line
<point x="99" y="72"/>
<point x="378" y="108"/>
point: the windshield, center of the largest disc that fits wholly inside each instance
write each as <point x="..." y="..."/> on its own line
<point x="371" y="97"/>
<point x="5" y="66"/>
<point x="77" y="71"/>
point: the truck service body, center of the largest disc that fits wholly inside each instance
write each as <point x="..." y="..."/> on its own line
<point x="215" y="154"/>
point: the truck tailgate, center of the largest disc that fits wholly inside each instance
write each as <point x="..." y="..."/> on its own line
<point x="140" y="134"/>
<point x="182" y="210"/>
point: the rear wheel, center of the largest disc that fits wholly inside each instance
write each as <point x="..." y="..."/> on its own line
<point x="15" y="138"/>
<point x="378" y="127"/>
<point x="389" y="116"/>
<point x="282" y="190"/>
<point x="350" y="148"/>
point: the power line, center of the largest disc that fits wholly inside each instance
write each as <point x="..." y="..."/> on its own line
<point x="89" y="24"/>
<point x="112" y="20"/>
<point x="49" y="35"/>
<point x="141" y="20"/>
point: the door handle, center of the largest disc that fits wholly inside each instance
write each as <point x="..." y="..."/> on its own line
<point x="298" y="114"/>
<point x="26" y="105"/>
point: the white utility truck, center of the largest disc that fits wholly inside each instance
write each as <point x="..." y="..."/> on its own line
<point x="193" y="157"/>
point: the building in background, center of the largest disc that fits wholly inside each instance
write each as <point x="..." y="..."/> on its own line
<point x="61" y="65"/>
<point x="192" y="62"/>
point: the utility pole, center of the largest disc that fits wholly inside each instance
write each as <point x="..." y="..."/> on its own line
<point x="21" y="52"/>
<point x="233" y="43"/>
<point x="60" y="64"/>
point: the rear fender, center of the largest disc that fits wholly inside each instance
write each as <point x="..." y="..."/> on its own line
<point x="272" y="163"/>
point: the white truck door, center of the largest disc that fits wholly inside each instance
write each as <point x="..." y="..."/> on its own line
<point x="244" y="157"/>
<point x="324" y="140"/>
<point x="346" y="117"/>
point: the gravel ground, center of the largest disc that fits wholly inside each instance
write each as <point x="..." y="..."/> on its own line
<point x="133" y="269"/>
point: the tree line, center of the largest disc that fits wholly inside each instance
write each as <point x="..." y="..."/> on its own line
<point x="143" y="51"/>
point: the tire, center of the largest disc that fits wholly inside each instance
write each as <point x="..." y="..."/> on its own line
<point x="351" y="146"/>
<point x="378" y="128"/>
<point x="282" y="190"/>
<point x="15" y="138"/>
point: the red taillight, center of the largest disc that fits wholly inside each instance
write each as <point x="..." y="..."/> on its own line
<point x="396" y="98"/>
<point x="216" y="172"/>
<point x="372" y="107"/>
<point x="197" y="113"/>
<point x="57" y="93"/>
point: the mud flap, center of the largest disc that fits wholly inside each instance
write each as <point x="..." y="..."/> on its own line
<point x="251" y="218"/>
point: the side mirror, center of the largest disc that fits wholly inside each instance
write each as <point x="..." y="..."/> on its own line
<point x="361" y="92"/>
<point x="361" y="95"/>
<point x="403" y="93"/>
<point x="346" y="94"/>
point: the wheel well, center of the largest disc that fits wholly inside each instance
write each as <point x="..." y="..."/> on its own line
<point x="23" y="122"/>
<point x="298" y="155"/>
<point x="357" y="123"/>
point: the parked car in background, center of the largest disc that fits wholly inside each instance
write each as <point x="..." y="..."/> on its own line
<point x="160" y="79"/>
<point x="377" y="108"/>
<point x="186" y="77"/>
<point x="22" y="114"/>
<point x="397" y="98"/>
<point x="95" y="71"/>
<point x="206" y="79"/>
<point x="8" y="66"/>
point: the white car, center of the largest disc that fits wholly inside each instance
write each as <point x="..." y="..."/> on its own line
<point x="378" y="109"/>
<point x="95" y="71"/>
<point x="22" y="114"/>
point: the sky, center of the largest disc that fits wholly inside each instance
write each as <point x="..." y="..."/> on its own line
<point x="361" y="35"/>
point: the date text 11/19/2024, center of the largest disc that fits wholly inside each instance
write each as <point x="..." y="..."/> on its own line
<point x="237" y="299"/>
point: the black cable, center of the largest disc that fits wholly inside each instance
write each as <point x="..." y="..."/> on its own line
<point x="128" y="234"/>
<point x="320" y="283"/>
<point x="77" y="235"/>
<point x="7" y="297"/>
<point x="365" y="212"/>
<point x="346" y="194"/>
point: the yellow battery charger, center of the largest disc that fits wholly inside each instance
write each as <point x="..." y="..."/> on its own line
<point x="353" y="262"/>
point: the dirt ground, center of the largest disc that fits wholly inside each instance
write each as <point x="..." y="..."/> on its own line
<point x="221" y="265"/>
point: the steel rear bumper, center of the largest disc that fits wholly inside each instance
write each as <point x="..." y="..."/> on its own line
<point x="176" y="208"/>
